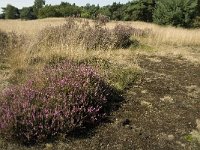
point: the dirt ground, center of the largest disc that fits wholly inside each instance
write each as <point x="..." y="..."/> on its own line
<point x="160" y="111"/>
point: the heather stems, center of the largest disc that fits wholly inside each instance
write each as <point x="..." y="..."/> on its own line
<point x="63" y="97"/>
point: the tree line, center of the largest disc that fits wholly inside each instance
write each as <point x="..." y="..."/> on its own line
<point x="183" y="13"/>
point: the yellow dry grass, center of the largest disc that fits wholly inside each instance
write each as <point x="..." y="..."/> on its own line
<point x="163" y="40"/>
<point x="166" y="35"/>
<point x="159" y="34"/>
<point x="30" y="27"/>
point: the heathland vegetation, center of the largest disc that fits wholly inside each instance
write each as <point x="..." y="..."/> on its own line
<point x="184" y="13"/>
<point x="76" y="83"/>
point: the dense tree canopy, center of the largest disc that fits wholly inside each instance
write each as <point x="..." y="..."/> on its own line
<point x="38" y="4"/>
<point x="27" y="13"/>
<point x="165" y="12"/>
<point x="11" y="12"/>
<point x="175" y="12"/>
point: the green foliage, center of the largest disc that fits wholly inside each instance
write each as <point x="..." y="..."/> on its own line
<point x="198" y="7"/>
<point x="196" y="23"/>
<point x="66" y="10"/>
<point x="48" y="11"/>
<point x="164" y="12"/>
<point x="105" y="11"/>
<point x="116" y="10"/>
<point x="11" y="12"/>
<point x="38" y="4"/>
<point x="27" y="13"/>
<point x="62" y="10"/>
<point x="140" y="10"/>
<point x="175" y="12"/>
<point x="2" y="16"/>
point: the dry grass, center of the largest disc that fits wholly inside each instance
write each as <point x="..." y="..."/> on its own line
<point x="160" y="35"/>
<point x="31" y="27"/>
<point x="166" y="35"/>
<point x="162" y="40"/>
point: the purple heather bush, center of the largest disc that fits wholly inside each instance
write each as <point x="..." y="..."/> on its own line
<point x="65" y="96"/>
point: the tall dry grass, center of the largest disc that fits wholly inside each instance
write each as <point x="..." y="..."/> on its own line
<point x="49" y="37"/>
<point x="159" y="36"/>
<point x="166" y="34"/>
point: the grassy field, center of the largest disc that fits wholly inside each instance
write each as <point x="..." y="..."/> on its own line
<point x="158" y="79"/>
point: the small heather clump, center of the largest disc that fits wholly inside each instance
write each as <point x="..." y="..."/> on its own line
<point x="102" y="19"/>
<point x="96" y="38"/>
<point x="65" y="96"/>
<point x="122" y="36"/>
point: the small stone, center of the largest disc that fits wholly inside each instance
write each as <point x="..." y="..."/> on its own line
<point x="181" y="144"/>
<point x="48" y="146"/>
<point x="170" y="137"/>
<point x="128" y="127"/>
<point x="146" y="104"/>
<point x="144" y="91"/>
<point x="168" y="99"/>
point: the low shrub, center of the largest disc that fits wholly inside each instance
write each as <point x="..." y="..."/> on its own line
<point x="85" y="36"/>
<point x="4" y="39"/>
<point x="64" y="35"/>
<point x="65" y="96"/>
<point x="96" y="38"/>
<point x="122" y="36"/>
<point x="9" y="41"/>
<point x="102" y="19"/>
<point x="196" y="23"/>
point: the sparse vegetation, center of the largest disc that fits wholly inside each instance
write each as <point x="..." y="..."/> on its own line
<point x="86" y="36"/>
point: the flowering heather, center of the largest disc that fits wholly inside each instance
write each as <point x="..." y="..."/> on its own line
<point x="63" y="97"/>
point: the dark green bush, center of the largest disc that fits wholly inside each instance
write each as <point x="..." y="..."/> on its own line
<point x="27" y="13"/>
<point x="175" y="12"/>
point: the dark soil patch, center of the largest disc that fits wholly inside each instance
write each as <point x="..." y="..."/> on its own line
<point x="159" y="112"/>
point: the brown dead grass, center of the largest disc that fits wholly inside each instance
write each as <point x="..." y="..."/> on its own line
<point x="162" y="41"/>
<point x="159" y="35"/>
